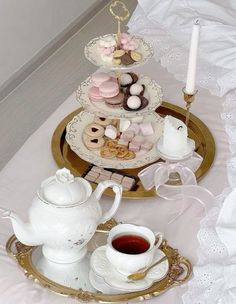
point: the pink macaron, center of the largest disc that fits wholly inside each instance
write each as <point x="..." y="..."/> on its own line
<point x="109" y="89"/>
<point x="94" y="94"/>
<point x="99" y="78"/>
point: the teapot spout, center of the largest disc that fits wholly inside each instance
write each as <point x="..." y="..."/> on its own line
<point x="23" y="231"/>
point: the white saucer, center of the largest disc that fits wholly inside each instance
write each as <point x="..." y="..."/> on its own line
<point x="186" y="154"/>
<point x="98" y="283"/>
<point x="103" y="268"/>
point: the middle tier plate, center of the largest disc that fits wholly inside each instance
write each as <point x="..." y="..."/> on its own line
<point x="153" y="93"/>
<point x="74" y="137"/>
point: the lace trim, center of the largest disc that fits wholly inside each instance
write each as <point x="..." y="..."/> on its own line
<point x="174" y="57"/>
<point x="209" y="282"/>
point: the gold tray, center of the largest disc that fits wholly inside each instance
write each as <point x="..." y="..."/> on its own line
<point x="198" y="131"/>
<point x="180" y="269"/>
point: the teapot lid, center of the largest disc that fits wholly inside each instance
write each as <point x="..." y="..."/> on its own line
<point x="64" y="190"/>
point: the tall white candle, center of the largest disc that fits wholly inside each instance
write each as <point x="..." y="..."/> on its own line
<point x="192" y="62"/>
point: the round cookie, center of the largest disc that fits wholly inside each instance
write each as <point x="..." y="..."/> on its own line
<point x="93" y="143"/>
<point x="102" y="121"/>
<point x="94" y="130"/>
<point x="116" y="101"/>
<point x="136" y="56"/>
<point x="126" y="59"/>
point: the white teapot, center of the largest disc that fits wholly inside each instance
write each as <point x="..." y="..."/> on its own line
<point x="64" y="216"/>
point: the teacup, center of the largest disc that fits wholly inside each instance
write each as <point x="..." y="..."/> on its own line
<point x="131" y="248"/>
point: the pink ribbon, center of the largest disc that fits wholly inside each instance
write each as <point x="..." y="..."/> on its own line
<point x="157" y="175"/>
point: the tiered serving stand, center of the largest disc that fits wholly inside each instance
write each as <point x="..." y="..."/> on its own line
<point x="65" y="142"/>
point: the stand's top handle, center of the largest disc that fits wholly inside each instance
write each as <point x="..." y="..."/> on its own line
<point x="119" y="10"/>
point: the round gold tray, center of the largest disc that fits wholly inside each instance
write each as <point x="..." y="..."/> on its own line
<point x="180" y="270"/>
<point x="198" y="131"/>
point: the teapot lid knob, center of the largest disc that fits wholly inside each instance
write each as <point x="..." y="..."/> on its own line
<point x="64" y="176"/>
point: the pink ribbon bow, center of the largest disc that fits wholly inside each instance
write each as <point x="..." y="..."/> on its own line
<point x="157" y="175"/>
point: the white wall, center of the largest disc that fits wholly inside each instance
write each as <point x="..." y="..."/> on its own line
<point x="26" y="26"/>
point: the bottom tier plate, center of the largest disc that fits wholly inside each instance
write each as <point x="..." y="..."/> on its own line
<point x="68" y="280"/>
<point x="198" y="131"/>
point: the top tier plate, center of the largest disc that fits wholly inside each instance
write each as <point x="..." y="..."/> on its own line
<point x="91" y="53"/>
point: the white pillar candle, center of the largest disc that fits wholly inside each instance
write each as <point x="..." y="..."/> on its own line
<point x="192" y="62"/>
<point x="175" y="137"/>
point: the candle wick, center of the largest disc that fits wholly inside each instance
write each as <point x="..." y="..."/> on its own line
<point x="197" y="21"/>
<point x="180" y="127"/>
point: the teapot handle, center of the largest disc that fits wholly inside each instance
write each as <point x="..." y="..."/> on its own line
<point x="117" y="189"/>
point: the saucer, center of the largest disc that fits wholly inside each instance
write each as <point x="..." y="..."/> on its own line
<point x="187" y="153"/>
<point x="104" y="269"/>
<point x="98" y="283"/>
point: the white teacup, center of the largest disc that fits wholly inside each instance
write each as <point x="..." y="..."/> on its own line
<point x="144" y="247"/>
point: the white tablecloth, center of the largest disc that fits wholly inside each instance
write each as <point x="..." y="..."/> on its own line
<point x="33" y="163"/>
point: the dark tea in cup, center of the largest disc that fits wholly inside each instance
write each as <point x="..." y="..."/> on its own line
<point x="131" y="247"/>
<point x="130" y="244"/>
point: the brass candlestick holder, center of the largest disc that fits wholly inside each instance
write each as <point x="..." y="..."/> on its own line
<point x="188" y="98"/>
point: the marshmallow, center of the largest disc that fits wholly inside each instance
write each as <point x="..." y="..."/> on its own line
<point x="127" y="135"/>
<point x="138" y="140"/>
<point x="107" y="58"/>
<point x="147" y="146"/>
<point x="124" y="124"/>
<point x="107" y="42"/>
<point x="134" y="147"/>
<point x="146" y="129"/>
<point x="111" y="132"/>
<point x="123" y="142"/>
<point x="134" y="127"/>
<point x="108" y="51"/>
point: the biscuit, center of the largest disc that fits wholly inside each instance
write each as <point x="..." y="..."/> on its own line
<point x="126" y="59"/>
<point x="102" y="121"/>
<point x="94" y="130"/>
<point x="130" y="155"/>
<point x="108" y="152"/>
<point x="110" y="143"/>
<point x="118" y="53"/>
<point x="136" y="56"/>
<point x="122" y="151"/>
<point x="93" y="143"/>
